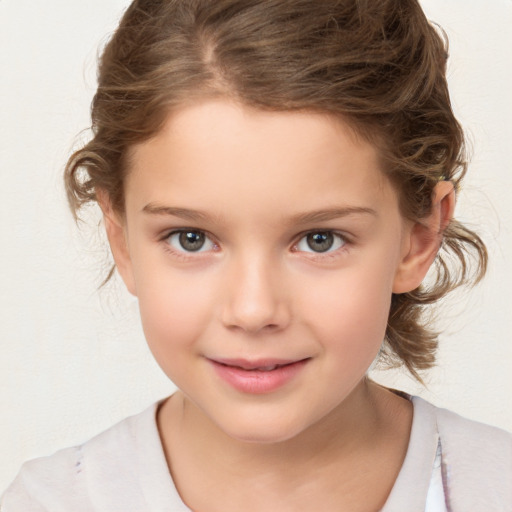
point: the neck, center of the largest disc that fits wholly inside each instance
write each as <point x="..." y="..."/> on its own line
<point x="342" y="443"/>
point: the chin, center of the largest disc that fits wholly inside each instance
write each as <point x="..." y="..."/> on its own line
<point x="259" y="432"/>
<point x="264" y="438"/>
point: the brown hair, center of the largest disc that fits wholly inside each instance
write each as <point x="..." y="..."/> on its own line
<point x="379" y="65"/>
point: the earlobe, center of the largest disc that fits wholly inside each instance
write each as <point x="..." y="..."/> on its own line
<point x="116" y="234"/>
<point x="423" y="240"/>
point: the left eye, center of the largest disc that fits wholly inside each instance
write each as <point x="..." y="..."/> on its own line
<point x="190" y="241"/>
<point x="320" y="241"/>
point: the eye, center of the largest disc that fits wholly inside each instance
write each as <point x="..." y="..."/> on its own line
<point x="320" y="241"/>
<point x="188" y="240"/>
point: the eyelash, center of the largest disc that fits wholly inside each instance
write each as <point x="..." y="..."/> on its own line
<point x="328" y="253"/>
<point x="183" y="253"/>
<point x="337" y="239"/>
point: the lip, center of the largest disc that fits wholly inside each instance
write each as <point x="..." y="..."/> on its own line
<point x="257" y="376"/>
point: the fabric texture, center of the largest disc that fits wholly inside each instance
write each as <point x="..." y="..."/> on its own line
<point x="452" y="465"/>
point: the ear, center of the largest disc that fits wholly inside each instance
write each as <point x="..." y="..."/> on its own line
<point x="423" y="240"/>
<point x="115" y="227"/>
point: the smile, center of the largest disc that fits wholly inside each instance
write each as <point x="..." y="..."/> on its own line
<point x="257" y="377"/>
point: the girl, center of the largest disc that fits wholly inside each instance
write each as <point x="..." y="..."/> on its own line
<point x="276" y="179"/>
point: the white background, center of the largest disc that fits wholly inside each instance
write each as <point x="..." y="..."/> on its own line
<point x="72" y="359"/>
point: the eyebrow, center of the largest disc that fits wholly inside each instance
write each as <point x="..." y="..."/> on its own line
<point x="300" y="218"/>
<point x="184" y="213"/>
<point x="330" y="214"/>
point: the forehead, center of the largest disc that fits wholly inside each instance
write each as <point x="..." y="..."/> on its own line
<point x="219" y="148"/>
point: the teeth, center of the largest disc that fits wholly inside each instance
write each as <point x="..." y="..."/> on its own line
<point x="267" y="368"/>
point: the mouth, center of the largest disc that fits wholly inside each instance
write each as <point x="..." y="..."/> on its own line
<point x="258" y="376"/>
<point x="261" y="365"/>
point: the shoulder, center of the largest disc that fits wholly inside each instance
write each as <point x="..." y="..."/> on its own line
<point x="477" y="439"/>
<point x="74" y="478"/>
<point x="45" y="483"/>
<point x="477" y="434"/>
<point x="476" y="460"/>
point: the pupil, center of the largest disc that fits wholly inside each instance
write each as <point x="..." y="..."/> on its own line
<point x="191" y="240"/>
<point x="320" y="242"/>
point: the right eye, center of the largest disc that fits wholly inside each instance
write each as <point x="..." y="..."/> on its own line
<point x="190" y="240"/>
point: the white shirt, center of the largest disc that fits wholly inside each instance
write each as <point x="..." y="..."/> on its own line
<point x="124" y="470"/>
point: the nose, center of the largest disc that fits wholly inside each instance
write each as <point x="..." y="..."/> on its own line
<point x="255" y="298"/>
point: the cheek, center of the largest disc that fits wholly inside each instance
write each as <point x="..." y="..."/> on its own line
<point x="350" y="309"/>
<point x="175" y="311"/>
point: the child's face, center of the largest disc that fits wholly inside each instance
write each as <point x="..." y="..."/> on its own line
<point x="295" y="243"/>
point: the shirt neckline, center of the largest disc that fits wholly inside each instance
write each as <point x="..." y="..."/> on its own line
<point x="412" y="484"/>
<point x="409" y="491"/>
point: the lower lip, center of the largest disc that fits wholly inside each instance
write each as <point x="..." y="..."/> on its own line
<point x="256" y="381"/>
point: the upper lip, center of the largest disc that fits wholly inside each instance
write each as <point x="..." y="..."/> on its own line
<point x="254" y="364"/>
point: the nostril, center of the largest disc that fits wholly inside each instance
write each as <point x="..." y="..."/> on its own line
<point x="252" y="328"/>
<point x="254" y="323"/>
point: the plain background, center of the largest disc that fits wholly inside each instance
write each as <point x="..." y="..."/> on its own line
<point x="73" y="360"/>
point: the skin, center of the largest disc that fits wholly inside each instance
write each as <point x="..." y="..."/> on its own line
<point x="256" y="183"/>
